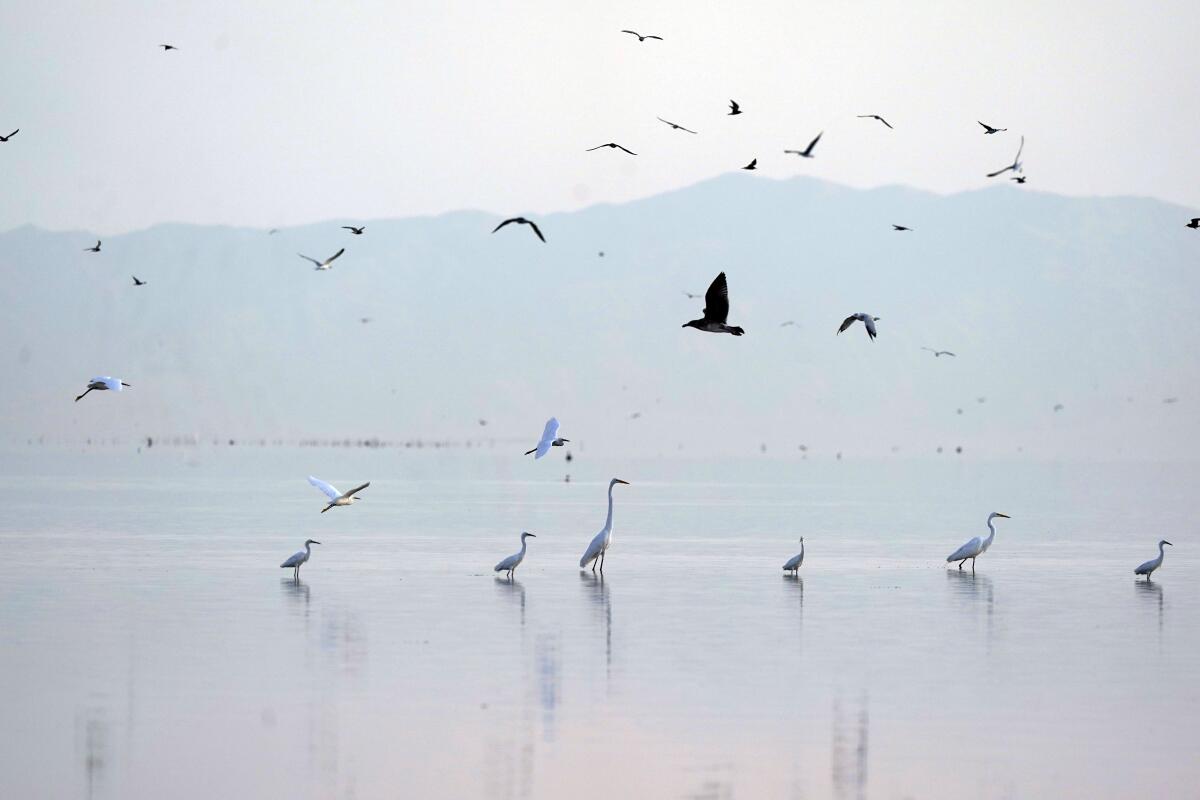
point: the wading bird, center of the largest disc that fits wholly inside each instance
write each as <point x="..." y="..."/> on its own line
<point x="643" y="38"/>
<point x="103" y="383"/>
<point x="6" y="138"/>
<point x="674" y="126"/>
<point x="1015" y="166"/>
<point x="793" y="564"/>
<point x="611" y="145"/>
<point x="137" y="281"/>
<point x="734" y="109"/>
<point x="939" y="353"/>
<point x="752" y="165"/>
<point x="521" y="221"/>
<point x="1154" y="563"/>
<point x="297" y="559"/>
<point x="989" y="129"/>
<point x="327" y="263"/>
<point x="550" y="438"/>
<point x="716" y="310"/>
<point x="511" y="563"/>
<point x="866" y="319"/>
<point x="354" y="230"/>
<point x="808" y="151"/>
<point x="874" y="116"/>
<point x="602" y="540"/>
<point x="336" y="498"/>
<point x="95" y="249"/>
<point x="977" y="546"/>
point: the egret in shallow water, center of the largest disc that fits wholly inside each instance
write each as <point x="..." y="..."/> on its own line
<point x="297" y="559"/>
<point x="601" y="541"/>
<point x="793" y="564"/>
<point x="977" y="546"/>
<point x="511" y="563"/>
<point x="550" y="438"/>
<point x="1152" y="564"/>
<point x="103" y="383"/>
<point x="336" y="498"/>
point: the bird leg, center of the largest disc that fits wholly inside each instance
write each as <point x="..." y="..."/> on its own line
<point x="80" y="397"/>
<point x="602" y="552"/>
<point x="961" y="563"/>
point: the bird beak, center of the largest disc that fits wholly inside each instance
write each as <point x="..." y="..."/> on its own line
<point x="1006" y="516"/>
<point x="315" y="541"/>
<point x="1166" y="542"/>
<point x="566" y="440"/>
<point x="534" y="535"/>
<point x="618" y="480"/>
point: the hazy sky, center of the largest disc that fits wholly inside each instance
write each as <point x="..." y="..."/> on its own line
<point x="280" y="113"/>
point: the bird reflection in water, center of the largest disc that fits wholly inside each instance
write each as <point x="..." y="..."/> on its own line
<point x="850" y="773"/>
<point x="1152" y="592"/>
<point x="597" y="591"/>
<point x="92" y="732"/>
<point x="297" y="591"/>
<point x="513" y="588"/>
<point x="975" y="587"/>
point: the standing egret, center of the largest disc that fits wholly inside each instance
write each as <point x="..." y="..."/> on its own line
<point x="103" y="383"/>
<point x="511" y="563"/>
<point x="602" y="540"/>
<point x="299" y="558"/>
<point x="793" y="564"/>
<point x="1154" y="563"/>
<point x="336" y="498"/>
<point x="976" y="547"/>
<point x="550" y="438"/>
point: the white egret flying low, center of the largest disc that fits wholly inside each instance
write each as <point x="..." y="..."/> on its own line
<point x="977" y="546"/>
<point x="793" y="564"/>
<point x="550" y="438"/>
<point x="602" y="540"/>
<point x="336" y="498"/>
<point x="1152" y="564"/>
<point x="103" y="383"/>
<point x="297" y="559"/>
<point x="511" y="563"/>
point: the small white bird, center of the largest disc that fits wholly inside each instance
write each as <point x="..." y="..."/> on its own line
<point x="602" y="540"/>
<point x="511" y="563"/>
<point x="327" y="263"/>
<point x="1152" y="564"/>
<point x="103" y="383"/>
<point x="793" y="564"/>
<point x="865" y="319"/>
<point x="299" y="558"/>
<point x="977" y="546"/>
<point x="336" y="498"/>
<point x="550" y="438"/>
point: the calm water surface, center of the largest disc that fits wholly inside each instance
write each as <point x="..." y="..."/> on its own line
<point x="150" y="647"/>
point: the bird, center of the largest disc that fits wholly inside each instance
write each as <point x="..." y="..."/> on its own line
<point x="734" y="109"/>
<point x="6" y="138"/>
<point x="793" y="563"/>
<point x="874" y="116"/>
<point x="511" y="563"/>
<point x="808" y="151"/>
<point x="336" y="498"/>
<point x="327" y="263"/>
<point x="1019" y="179"/>
<point x="356" y="231"/>
<point x="297" y="559"/>
<point x="977" y="546"/>
<point x="788" y="323"/>
<point x="521" y="221"/>
<point x="673" y="125"/>
<point x="1195" y="223"/>
<point x="691" y="296"/>
<point x="643" y="38"/>
<point x="137" y="281"/>
<point x="95" y="249"/>
<point x="896" y="227"/>
<point x="716" y="310"/>
<point x="989" y="129"/>
<point x="602" y="540"/>
<point x="939" y="353"/>
<point x="611" y="145"/>
<point x="865" y="319"/>
<point x="1058" y="407"/>
<point x="752" y="165"/>
<point x="104" y="383"/>
<point x="1015" y="166"/>
<point x="1154" y="563"/>
<point x="550" y="438"/>
<point x="167" y="47"/>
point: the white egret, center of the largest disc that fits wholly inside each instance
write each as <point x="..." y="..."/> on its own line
<point x="1152" y="564"/>
<point x="977" y="546"/>
<point x="793" y="564"/>
<point x="103" y="383"/>
<point x="299" y="558"/>
<point x="602" y="540"/>
<point x="511" y="563"/>
<point x="336" y="498"/>
<point x="550" y="438"/>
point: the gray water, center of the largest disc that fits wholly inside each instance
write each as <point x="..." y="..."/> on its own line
<point x="151" y="647"/>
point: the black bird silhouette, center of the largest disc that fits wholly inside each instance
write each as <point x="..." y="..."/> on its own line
<point x="752" y="165"/>
<point x="734" y="108"/>
<point x="95" y="249"/>
<point x="716" y="310"/>
<point x="6" y="138"/>
<point x="167" y="47"/>
<point x="611" y="144"/>
<point x="691" y="296"/>
<point x="674" y="126"/>
<point x="808" y="151"/>
<point x="989" y="129"/>
<point x="1195" y="223"/>
<point x="521" y="221"/>
<point x="900" y="227"/>
<point x="137" y="282"/>
<point x="874" y="116"/>
<point x="1015" y="166"/>
<point x="354" y="230"/>
<point x="939" y="353"/>
<point x="1019" y="179"/>
<point x="643" y="38"/>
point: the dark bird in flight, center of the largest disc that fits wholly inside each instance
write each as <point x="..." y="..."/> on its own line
<point x="734" y="109"/>
<point x="1015" y="166"/>
<point x="273" y="231"/>
<point x="939" y="353"/>
<point x="896" y="227"/>
<point x="1019" y="179"/>
<point x="1195" y="223"/>
<point x="354" y="230"/>
<point x="95" y="249"/>
<point x="137" y="282"/>
<point x="167" y="47"/>
<point x="611" y="144"/>
<point x="716" y="310"/>
<point x="866" y="320"/>
<point x="752" y="165"/>
<point x="691" y="296"/>
<point x="989" y="129"/>
<point x="643" y="38"/>
<point x="521" y="221"/>
<point x="674" y="126"/>
<point x="786" y="324"/>
<point x="327" y="263"/>
<point x="6" y="138"/>
<point x="808" y="151"/>
<point x="874" y="116"/>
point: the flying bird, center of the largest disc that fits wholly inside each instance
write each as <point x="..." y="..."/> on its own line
<point x="1019" y="179"/>
<point x="977" y="546"/>
<point x="95" y="249"/>
<point x="336" y="498"/>
<point x="602" y="540"/>
<point x="550" y="438"/>
<point x="1154" y="563"/>
<point x="939" y="353"/>
<point x="521" y="221"/>
<point x="297" y="559"/>
<point x="808" y="151"/>
<point x="167" y="47"/>
<point x="716" y="310"/>
<point x="793" y="563"/>
<point x="511" y="563"/>
<point x="611" y="145"/>
<point x="673" y="125"/>
<point x="866" y="319"/>
<point x="874" y="116"/>
<point x="354" y="230"/>
<point x="137" y="282"/>
<point x="103" y="383"/>
<point x="643" y="38"/>
<point x="1015" y="166"/>
<point x="327" y="263"/>
<point x="692" y="296"/>
<point x="989" y="129"/>
<point x="752" y="165"/>
<point x="1058" y="407"/>
<point x="1195" y="223"/>
<point x="734" y="109"/>
<point x="900" y="227"/>
<point x="6" y="138"/>
<point x="786" y="324"/>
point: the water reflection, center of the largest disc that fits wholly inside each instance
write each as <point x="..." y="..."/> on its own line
<point x="849" y="773"/>
<point x="975" y="588"/>
<point x="513" y="588"/>
<point x="549" y="676"/>
<point x="92" y="731"/>
<point x="297" y="592"/>
<point x="1153" y="593"/>
<point x="597" y="591"/>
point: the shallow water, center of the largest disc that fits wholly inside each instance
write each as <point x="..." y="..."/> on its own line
<point x="150" y="647"/>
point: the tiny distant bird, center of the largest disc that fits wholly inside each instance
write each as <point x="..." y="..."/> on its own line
<point x="297" y="559"/>
<point x="273" y="231"/>
<point x="1058" y="407"/>
<point x="1170" y="400"/>
<point x="734" y="109"/>
<point x="103" y="383"/>
<point x="793" y="563"/>
<point x="167" y="47"/>
<point x="752" y="165"/>
<point x="1154" y="563"/>
<point x="716" y="310"/>
<point x="643" y="38"/>
<point x="636" y="415"/>
<point x="977" y="546"/>
<point x="336" y="498"/>
<point x="327" y="263"/>
<point x="874" y="116"/>
<point x="137" y="282"/>
<point x="808" y="151"/>
<point x="866" y="319"/>
<point x="6" y="138"/>
<point x="1195" y="223"/>
<point x="364" y="320"/>
<point x="673" y="125"/>
<point x="521" y="221"/>
<point x="511" y="563"/>
<point x="939" y="353"/>
<point x="1015" y="166"/>
<point x="691" y="296"/>
<point x="550" y="438"/>
<point x="786" y="324"/>
<point x="354" y="230"/>
<point x="611" y="145"/>
<point x="900" y="227"/>
<point x="95" y="249"/>
<point x="989" y="129"/>
<point x="483" y="423"/>
<point x="1019" y="179"/>
<point x="601" y="254"/>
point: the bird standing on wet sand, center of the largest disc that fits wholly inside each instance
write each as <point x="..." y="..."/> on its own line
<point x="6" y="138"/>
<point x="866" y="319"/>
<point x="808" y="151"/>
<point x="673" y="125"/>
<point x="977" y="546"/>
<point x="297" y="559"/>
<point x="327" y="263"/>
<point x="1154" y="563"/>
<point x="874" y="116"/>
<point x="716" y="310"/>
<point x="336" y="498"/>
<point x="611" y="145"/>
<point x="644" y="38"/>
<point x="103" y="383"/>
<point x="602" y="540"/>
<point x="521" y="221"/>
<point x="511" y="563"/>
<point x="95" y="249"/>
<point x="793" y="563"/>
<point x="550" y="438"/>
<point x="989" y="129"/>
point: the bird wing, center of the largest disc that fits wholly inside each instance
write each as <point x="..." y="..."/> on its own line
<point x="884" y="121"/>
<point x="985" y="127"/>
<point x="309" y="258"/>
<point x="635" y="33"/>
<point x="550" y="432"/>
<point x="626" y="149"/>
<point x="333" y="257"/>
<point x="999" y="171"/>
<point x="502" y="224"/>
<point x="655" y="37"/>
<point x="813" y="143"/>
<point x="507" y="563"/>
<point x="357" y="489"/>
<point x="1142" y="569"/>
<point x="847" y="322"/>
<point x="294" y="559"/>
<point x="870" y="323"/>
<point x="111" y="383"/>
<point x="948" y="353"/>
<point x="348" y="228"/>
<point x="536" y="230"/>
<point x="593" y="550"/>
<point x="968" y="550"/>
<point x="1017" y="160"/>
<point x="14" y="133"/>
<point x="328" y="489"/>
<point x="597" y="147"/>
<point x="716" y="300"/>
<point x="794" y="561"/>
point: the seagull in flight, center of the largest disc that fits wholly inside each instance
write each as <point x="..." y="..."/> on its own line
<point x="734" y="109"/>
<point x="716" y="310"/>
<point x="103" y="383"/>
<point x="611" y="144"/>
<point x="6" y="138"/>
<point x="865" y="319"/>
<point x="786" y="324"/>
<point x="752" y="165"/>
<point x="674" y="126"/>
<point x="167" y="47"/>
<point x="1015" y="166"/>
<point x="989" y="129"/>
<point x="900" y="227"/>
<point x="1195" y="223"/>
<point x="939" y="353"/>
<point x="691" y="296"/>
<point x="327" y="263"/>
<point x="874" y="116"/>
<point x="521" y="221"/>
<point x="550" y="438"/>
<point x="336" y="498"/>
<point x="808" y="151"/>
<point x="643" y="38"/>
<point x="137" y="282"/>
<point x="354" y="230"/>
<point x="95" y="249"/>
<point x="1019" y="179"/>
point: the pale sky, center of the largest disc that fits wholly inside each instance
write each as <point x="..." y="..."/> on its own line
<point x="273" y="114"/>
